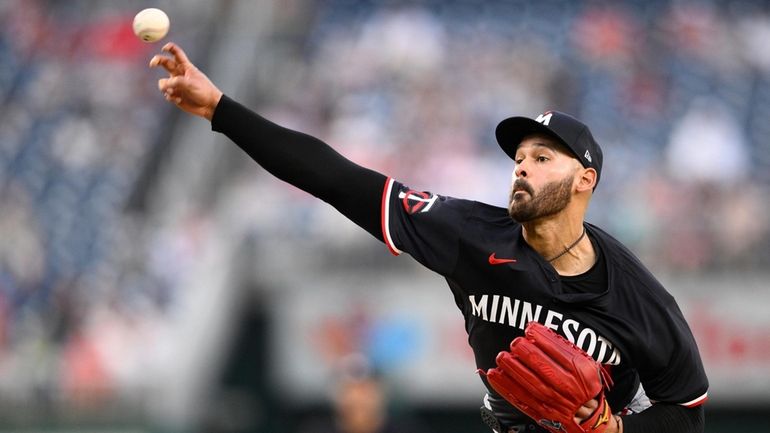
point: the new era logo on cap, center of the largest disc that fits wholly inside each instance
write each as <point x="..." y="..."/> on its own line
<point x="571" y="132"/>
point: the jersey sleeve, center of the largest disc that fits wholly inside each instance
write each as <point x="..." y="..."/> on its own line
<point x="672" y="370"/>
<point x="425" y="225"/>
<point x="305" y="162"/>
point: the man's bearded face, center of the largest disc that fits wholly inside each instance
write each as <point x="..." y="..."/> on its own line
<point x="527" y="205"/>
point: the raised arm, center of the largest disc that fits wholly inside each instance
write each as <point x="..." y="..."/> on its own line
<point x="299" y="159"/>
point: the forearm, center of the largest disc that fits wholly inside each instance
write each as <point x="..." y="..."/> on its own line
<point x="665" y="418"/>
<point x="305" y="162"/>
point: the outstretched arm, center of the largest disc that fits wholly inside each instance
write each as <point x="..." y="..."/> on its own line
<point x="299" y="159"/>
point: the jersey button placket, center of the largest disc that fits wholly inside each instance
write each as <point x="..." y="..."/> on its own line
<point x="554" y="282"/>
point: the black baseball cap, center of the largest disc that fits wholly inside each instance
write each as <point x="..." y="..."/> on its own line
<point x="569" y="131"/>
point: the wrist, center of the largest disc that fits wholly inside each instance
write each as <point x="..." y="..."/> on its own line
<point x="618" y="424"/>
<point x="209" y="111"/>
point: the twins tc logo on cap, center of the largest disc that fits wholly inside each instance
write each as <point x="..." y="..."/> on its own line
<point x="569" y="131"/>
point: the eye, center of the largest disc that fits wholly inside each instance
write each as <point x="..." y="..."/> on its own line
<point x="518" y="160"/>
<point x="542" y="158"/>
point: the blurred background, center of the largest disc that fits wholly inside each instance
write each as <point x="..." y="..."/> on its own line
<point x="154" y="279"/>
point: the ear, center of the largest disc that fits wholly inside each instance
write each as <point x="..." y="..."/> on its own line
<point x="586" y="179"/>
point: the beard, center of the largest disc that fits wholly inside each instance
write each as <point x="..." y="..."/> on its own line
<point x="551" y="199"/>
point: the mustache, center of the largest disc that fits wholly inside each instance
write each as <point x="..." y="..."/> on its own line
<point x="522" y="185"/>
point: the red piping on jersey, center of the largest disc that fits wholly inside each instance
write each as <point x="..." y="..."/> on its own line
<point x="384" y="217"/>
<point x="697" y="402"/>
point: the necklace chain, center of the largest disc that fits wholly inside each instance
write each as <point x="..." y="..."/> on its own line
<point x="566" y="250"/>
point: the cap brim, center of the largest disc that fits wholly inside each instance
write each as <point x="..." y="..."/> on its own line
<point x="512" y="130"/>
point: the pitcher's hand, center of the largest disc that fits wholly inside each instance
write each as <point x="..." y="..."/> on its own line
<point x="614" y="425"/>
<point x="186" y="86"/>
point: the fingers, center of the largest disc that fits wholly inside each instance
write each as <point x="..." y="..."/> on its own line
<point x="169" y="88"/>
<point x="169" y="85"/>
<point x="177" y="52"/>
<point x="168" y="63"/>
<point x="586" y="410"/>
<point x="174" y="64"/>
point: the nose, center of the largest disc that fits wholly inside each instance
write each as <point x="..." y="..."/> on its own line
<point x="519" y="170"/>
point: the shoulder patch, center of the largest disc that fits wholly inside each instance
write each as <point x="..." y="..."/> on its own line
<point x="417" y="201"/>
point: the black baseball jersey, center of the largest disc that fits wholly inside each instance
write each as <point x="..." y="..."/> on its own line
<point x="500" y="284"/>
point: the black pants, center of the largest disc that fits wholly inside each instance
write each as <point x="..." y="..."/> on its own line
<point x="499" y="426"/>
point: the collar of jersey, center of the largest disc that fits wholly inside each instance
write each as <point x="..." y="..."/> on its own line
<point x="535" y="262"/>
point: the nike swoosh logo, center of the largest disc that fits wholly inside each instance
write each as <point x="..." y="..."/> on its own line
<point x="495" y="261"/>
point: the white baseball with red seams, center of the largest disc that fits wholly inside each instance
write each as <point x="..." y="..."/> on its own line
<point x="151" y="25"/>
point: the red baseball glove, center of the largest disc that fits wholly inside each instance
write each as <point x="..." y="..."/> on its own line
<point x="549" y="379"/>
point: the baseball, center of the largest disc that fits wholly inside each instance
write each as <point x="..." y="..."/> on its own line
<point x="151" y="25"/>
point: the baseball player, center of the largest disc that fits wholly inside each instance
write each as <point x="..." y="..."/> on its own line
<point x="570" y="332"/>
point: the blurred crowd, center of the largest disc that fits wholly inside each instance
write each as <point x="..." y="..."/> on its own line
<point x="677" y="93"/>
<point x="81" y="298"/>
